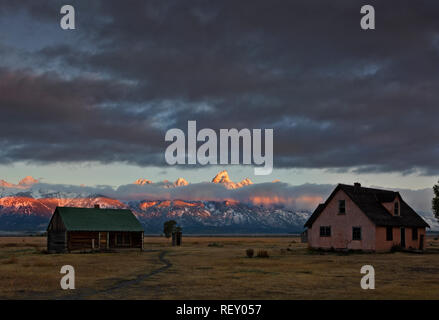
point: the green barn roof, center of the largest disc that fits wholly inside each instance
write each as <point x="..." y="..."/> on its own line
<point x="95" y="219"/>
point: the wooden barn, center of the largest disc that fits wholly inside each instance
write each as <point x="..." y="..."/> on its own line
<point x="93" y="229"/>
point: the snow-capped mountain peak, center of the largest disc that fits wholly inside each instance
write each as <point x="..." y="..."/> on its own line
<point x="142" y="181"/>
<point x="27" y="181"/>
<point x="223" y="178"/>
<point x="6" y="184"/>
<point x="181" y="182"/>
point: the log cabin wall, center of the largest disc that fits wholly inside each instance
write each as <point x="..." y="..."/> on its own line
<point x="56" y="242"/>
<point x="73" y="229"/>
<point x="80" y="240"/>
<point x="103" y="240"/>
<point x="56" y="235"/>
<point x="137" y="239"/>
<point x="56" y="224"/>
<point x="84" y="240"/>
<point x="126" y="239"/>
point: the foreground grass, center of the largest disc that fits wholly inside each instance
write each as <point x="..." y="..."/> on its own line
<point x="217" y="268"/>
<point x="28" y="272"/>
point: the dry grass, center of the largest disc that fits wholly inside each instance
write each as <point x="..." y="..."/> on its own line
<point x="200" y="271"/>
<point x="26" y="272"/>
<point x="262" y="254"/>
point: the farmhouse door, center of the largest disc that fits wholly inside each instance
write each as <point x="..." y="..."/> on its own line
<point x="421" y="242"/>
<point x="403" y="237"/>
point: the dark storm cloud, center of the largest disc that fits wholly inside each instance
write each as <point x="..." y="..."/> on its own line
<point x="46" y="118"/>
<point x="337" y="96"/>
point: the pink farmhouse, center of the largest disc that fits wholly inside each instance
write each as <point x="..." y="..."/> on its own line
<point x="358" y="218"/>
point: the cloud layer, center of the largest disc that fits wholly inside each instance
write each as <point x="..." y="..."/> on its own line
<point x="305" y="196"/>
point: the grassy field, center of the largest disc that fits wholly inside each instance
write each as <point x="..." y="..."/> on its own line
<point x="215" y="268"/>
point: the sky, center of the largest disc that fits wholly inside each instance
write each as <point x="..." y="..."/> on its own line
<point x="92" y="105"/>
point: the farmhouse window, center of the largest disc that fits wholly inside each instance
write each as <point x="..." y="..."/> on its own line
<point x="415" y="234"/>
<point x="389" y="233"/>
<point x="341" y="206"/>
<point x="325" y="231"/>
<point x="356" y="233"/>
<point x="396" y="209"/>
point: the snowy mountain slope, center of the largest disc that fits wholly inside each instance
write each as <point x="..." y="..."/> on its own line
<point x="29" y="205"/>
<point x="20" y="213"/>
<point x="218" y="216"/>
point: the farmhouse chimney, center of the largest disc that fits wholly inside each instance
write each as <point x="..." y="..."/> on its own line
<point x="357" y="186"/>
<point x="97" y="206"/>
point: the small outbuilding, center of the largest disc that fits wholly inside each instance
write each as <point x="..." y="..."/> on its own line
<point x="93" y="229"/>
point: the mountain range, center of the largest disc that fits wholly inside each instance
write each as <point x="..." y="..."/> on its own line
<point x="27" y="208"/>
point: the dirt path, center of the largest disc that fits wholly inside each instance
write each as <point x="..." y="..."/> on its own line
<point x="124" y="283"/>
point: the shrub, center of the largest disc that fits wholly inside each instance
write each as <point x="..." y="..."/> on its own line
<point x="262" y="254"/>
<point x="169" y="227"/>
<point x="395" y="248"/>
<point x="215" y="244"/>
<point x="250" y="253"/>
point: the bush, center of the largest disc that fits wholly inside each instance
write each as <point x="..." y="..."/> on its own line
<point x="169" y="227"/>
<point x="395" y="248"/>
<point x="250" y="253"/>
<point x="262" y="254"/>
<point x="215" y="244"/>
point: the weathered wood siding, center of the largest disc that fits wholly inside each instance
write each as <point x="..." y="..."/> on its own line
<point x="56" y="223"/>
<point x="56" y="242"/>
<point x="137" y="239"/>
<point x="103" y="240"/>
<point x="126" y="239"/>
<point x="82" y="240"/>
